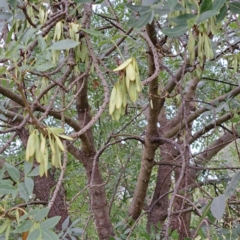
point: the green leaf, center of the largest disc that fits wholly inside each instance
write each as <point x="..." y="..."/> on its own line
<point x="50" y="223"/>
<point x="5" y="15"/>
<point x="77" y="231"/>
<point x="204" y="214"/>
<point x="24" y="226"/>
<point x="13" y="172"/>
<point x="7" y="232"/>
<point x="176" y="31"/>
<point x="29" y="185"/>
<point x="138" y="8"/>
<point x="2" y="170"/>
<point x="179" y="7"/>
<point x="6" y="188"/>
<point x="35" y="234"/>
<point x="148" y="2"/>
<point x="217" y="5"/>
<point x="175" y="234"/>
<point x="206" y="15"/>
<point x="42" y="43"/>
<point x="162" y="11"/>
<point x="218" y="206"/>
<point x="222" y="13"/>
<point x="49" y="235"/>
<point x="172" y="4"/>
<point x="40" y="214"/>
<point x="232" y="185"/>
<point x="206" y="5"/>
<point x="75" y="222"/>
<point x="44" y="67"/>
<point x="34" y="172"/>
<point x="27" y="167"/>
<point x="3" y="69"/>
<point x="144" y="19"/>
<point x="182" y="19"/>
<point x="20" y="16"/>
<point x="234" y="7"/>
<point x="23" y="191"/>
<point x="64" y="44"/>
<point x="93" y="32"/>
<point x="28" y="35"/>
<point x="65" y="224"/>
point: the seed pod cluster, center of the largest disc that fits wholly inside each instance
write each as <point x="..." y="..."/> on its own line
<point x="30" y="14"/>
<point x="130" y="83"/>
<point x="58" y="31"/>
<point x="42" y="15"/>
<point x="37" y="147"/>
<point x="233" y="61"/>
<point x="44" y="85"/>
<point x="204" y="48"/>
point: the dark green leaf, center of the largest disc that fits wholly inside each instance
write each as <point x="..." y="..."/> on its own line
<point x="24" y="226"/>
<point x="182" y="19"/>
<point x="50" y="223"/>
<point x="206" y="15"/>
<point x="222" y="13"/>
<point x="13" y="172"/>
<point x="29" y="185"/>
<point x="232" y="185"/>
<point x="218" y="206"/>
<point x="206" y="5"/>
<point x="138" y="8"/>
<point x="172" y="4"/>
<point x="64" y="44"/>
<point x="35" y="234"/>
<point x="234" y="7"/>
<point x="176" y="31"/>
<point x="49" y="235"/>
<point x="217" y="5"/>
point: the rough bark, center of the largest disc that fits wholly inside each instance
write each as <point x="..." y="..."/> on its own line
<point x="160" y="201"/>
<point x="86" y="155"/>
<point x="151" y="131"/>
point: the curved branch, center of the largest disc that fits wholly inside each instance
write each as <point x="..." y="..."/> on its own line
<point x="198" y="112"/>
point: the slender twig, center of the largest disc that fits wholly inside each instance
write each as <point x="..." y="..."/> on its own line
<point x="8" y="143"/>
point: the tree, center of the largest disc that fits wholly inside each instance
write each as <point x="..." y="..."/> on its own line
<point x="118" y="113"/>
